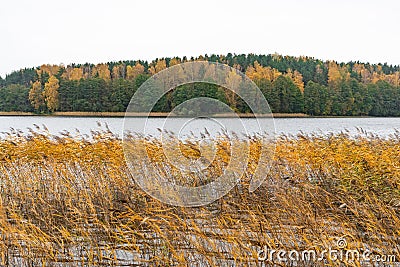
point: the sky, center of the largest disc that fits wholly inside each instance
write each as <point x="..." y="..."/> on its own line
<point x="79" y="31"/>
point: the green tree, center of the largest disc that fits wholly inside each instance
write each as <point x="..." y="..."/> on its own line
<point x="316" y="99"/>
<point x="290" y="97"/>
<point x="14" y="97"/>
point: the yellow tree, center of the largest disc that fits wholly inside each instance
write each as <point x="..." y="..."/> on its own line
<point x="337" y="73"/>
<point x="36" y="95"/>
<point x="67" y="73"/>
<point x="357" y="68"/>
<point x="365" y="74"/>
<point x="159" y="66"/>
<point x="51" y="93"/>
<point x="333" y="72"/>
<point x="259" y="72"/>
<point x="49" y="69"/>
<point x="297" y="78"/>
<point x="251" y="73"/>
<point x="376" y="76"/>
<point x="393" y="79"/>
<point x="174" y="61"/>
<point x="102" y="71"/>
<point x="133" y="72"/>
<point x="76" y="74"/>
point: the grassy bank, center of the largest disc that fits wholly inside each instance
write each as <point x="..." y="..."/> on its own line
<point x="152" y="114"/>
<point x="73" y="202"/>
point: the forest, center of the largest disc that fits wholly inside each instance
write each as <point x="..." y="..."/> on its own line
<point x="290" y="85"/>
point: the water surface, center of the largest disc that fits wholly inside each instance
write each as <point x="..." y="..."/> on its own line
<point x="289" y="126"/>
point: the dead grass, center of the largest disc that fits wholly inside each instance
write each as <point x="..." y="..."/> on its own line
<point x="67" y="201"/>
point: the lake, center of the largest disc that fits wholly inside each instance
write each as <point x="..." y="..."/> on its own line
<point x="289" y="126"/>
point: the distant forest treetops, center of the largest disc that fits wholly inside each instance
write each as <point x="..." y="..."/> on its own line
<point x="290" y="84"/>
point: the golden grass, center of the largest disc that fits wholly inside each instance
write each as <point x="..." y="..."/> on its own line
<point x="66" y="201"/>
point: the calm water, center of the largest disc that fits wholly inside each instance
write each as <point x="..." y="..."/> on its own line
<point x="380" y="126"/>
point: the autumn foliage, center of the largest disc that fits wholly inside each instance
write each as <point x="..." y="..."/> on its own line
<point x="290" y="84"/>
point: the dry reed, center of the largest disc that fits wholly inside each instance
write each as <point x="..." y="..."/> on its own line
<point x="68" y="201"/>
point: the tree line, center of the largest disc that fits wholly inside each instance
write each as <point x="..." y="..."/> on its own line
<point x="290" y="84"/>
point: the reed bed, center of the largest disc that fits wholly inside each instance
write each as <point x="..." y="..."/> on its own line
<point x="71" y="201"/>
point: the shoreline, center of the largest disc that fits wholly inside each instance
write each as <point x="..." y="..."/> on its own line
<point x="165" y="114"/>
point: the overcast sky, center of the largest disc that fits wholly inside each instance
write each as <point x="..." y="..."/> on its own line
<point x="79" y="31"/>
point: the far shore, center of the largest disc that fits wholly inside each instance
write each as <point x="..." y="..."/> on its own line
<point x="163" y="114"/>
<point x="152" y="114"/>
